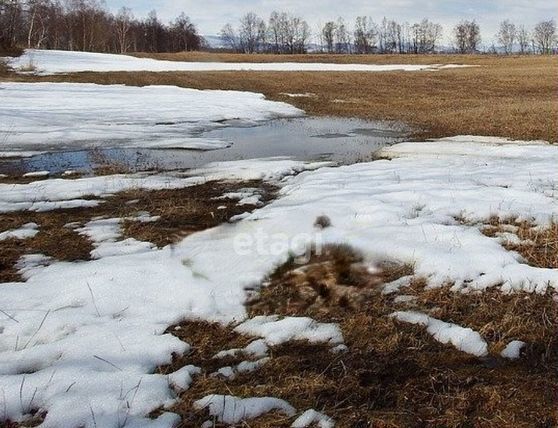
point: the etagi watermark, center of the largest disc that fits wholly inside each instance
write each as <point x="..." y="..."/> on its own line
<point x="260" y="243"/>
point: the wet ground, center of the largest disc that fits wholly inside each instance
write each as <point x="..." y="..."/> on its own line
<point x="344" y="141"/>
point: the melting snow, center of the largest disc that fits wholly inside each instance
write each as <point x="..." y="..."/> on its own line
<point x="464" y="339"/>
<point x="39" y="116"/>
<point x="181" y="379"/>
<point x="28" y="230"/>
<point x="276" y="331"/>
<point x="53" y="194"/>
<point x="243" y="367"/>
<point x="52" y="62"/>
<point x="104" y="234"/>
<point x="36" y="174"/>
<point x="257" y="348"/>
<point x="82" y="338"/>
<point x="231" y="410"/>
<point x="513" y="349"/>
<point x="310" y="417"/>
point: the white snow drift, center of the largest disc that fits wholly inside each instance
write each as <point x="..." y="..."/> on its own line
<point x="28" y="230"/>
<point x="312" y="417"/>
<point x="42" y="116"/>
<point x="464" y="339"/>
<point x="276" y="331"/>
<point x="231" y="410"/>
<point x="82" y="340"/>
<point x="52" y="62"/>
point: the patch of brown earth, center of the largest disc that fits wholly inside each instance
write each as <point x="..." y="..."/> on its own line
<point x="537" y="245"/>
<point x="393" y="374"/>
<point x="180" y="211"/>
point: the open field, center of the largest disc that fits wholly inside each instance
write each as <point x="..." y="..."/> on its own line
<point x="329" y="58"/>
<point x="515" y="97"/>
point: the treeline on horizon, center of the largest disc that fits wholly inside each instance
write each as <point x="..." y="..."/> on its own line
<point x="87" y="25"/>
<point x="285" y="33"/>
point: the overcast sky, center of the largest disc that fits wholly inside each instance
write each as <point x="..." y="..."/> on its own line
<point x="211" y="15"/>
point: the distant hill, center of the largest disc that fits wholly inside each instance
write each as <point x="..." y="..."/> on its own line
<point x="215" y="42"/>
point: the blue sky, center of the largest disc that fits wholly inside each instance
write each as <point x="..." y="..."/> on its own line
<point x="211" y="15"/>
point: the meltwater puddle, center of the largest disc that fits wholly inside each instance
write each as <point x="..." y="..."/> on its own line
<point x="343" y="141"/>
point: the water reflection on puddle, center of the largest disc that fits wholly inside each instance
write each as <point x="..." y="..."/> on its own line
<point x="340" y="140"/>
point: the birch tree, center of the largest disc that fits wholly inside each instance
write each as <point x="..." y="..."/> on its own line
<point x="506" y="36"/>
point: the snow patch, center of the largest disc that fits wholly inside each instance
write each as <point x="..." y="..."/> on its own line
<point x="257" y="348"/>
<point x="229" y="409"/>
<point x="104" y="234"/>
<point x="276" y="330"/>
<point x="304" y="95"/>
<point x="464" y="339"/>
<point x="36" y="174"/>
<point x="312" y="416"/>
<point x="243" y="367"/>
<point x="53" y="61"/>
<point x="26" y="231"/>
<point x="88" y="331"/>
<point x="513" y="349"/>
<point x="47" y="116"/>
<point x="181" y="379"/>
<point x="18" y="153"/>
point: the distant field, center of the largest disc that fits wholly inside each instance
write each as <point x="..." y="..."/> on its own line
<point x="514" y="96"/>
<point x="323" y="58"/>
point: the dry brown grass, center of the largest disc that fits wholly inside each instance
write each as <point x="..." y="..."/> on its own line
<point x="181" y="212"/>
<point x="4" y="69"/>
<point x="515" y="97"/>
<point x="35" y="420"/>
<point x="394" y="375"/>
<point x="185" y="211"/>
<point x="316" y="57"/>
<point x="538" y="246"/>
<point x="53" y="240"/>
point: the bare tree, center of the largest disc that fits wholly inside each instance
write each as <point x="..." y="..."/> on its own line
<point x="39" y="15"/>
<point x="298" y="33"/>
<point x="184" y="36"/>
<point x="229" y="37"/>
<point x="328" y="33"/>
<point x="393" y="36"/>
<point x="122" y="27"/>
<point x="424" y="36"/>
<point x="275" y="30"/>
<point x="284" y="34"/>
<point x="523" y="40"/>
<point x="342" y="42"/>
<point x="33" y="8"/>
<point x="365" y="35"/>
<point x="467" y="37"/>
<point x="544" y="36"/>
<point x="507" y="35"/>
<point x="249" y="32"/>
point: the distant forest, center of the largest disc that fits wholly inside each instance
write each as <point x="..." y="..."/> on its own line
<point x="87" y="25"/>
